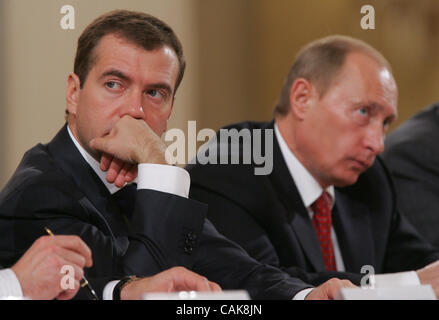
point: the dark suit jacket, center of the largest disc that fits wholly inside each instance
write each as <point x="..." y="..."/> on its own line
<point x="412" y="155"/>
<point x="266" y="216"/>
<point x="55" y="187"/>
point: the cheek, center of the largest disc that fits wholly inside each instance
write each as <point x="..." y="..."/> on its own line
<point x="336" y="147"/>
<point x="157" y="120"/>
<point x="96" y="121"/>
<point x="339" y="136"/>
<point x="342" y="148"/>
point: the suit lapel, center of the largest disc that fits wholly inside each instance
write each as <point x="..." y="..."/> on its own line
<point x="95" y="195"/>
<point x="352" y="226"/>
<point x="298" y="215"/>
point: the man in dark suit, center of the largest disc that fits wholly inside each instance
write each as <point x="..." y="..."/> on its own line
<point x="412" y="156"/>
<point x="327" y="208"/>
<point x="119" y="98"/>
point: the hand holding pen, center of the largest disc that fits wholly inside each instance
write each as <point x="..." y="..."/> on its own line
<point x="84" y="282"/>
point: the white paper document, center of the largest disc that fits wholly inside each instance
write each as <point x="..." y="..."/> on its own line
<point x="424" y="292"/>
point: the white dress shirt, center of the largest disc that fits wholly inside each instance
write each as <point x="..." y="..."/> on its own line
<point x="310" y="190"/>
<point x="164" y="178"/>
<point x="9" y="284"/>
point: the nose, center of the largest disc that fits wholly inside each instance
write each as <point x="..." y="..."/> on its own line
<point x="133" y="106"/>
<point x="374" y="139"/>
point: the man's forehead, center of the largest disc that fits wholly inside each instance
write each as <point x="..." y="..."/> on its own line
<point x="112" y="45"/>
<point x="369" y="68"/>
<point x="102" y="46"/>
<point x="374" y="77"/>
<point x="116" y="53"/>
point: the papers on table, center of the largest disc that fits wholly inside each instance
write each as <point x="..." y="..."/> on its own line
<point x="424" y="292"/>
<point x="196" y="295"/>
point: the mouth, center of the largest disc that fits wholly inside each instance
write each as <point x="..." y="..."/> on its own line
<point x="361" y="164"/>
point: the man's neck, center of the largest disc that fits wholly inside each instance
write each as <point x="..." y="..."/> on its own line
<point x="287" y="130"/>
<point x="93" y="163"/>
<point x="307" y="185"/>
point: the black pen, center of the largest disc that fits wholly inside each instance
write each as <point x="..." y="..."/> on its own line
<point x="85" y="282"/>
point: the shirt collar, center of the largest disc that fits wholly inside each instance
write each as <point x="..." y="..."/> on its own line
<point x="309" y="189"/>
<point x="94" y="165"/>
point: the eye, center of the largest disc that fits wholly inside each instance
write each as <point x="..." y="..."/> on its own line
<point x="153" y="93"/>
<point x="361" y="115"/>
<point x="112" y="85"/>
<point x="363" y="111"/>
<point x="387" y="123"/>
<point x="156" y="94"/>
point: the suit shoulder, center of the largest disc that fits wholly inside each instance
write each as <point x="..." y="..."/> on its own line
<point x="36" y="174"/>
<point x="235" y="182"/>
<point x="422" y="128"/>
<point x="412" y="146"/>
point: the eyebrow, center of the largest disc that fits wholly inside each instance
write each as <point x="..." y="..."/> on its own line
<point x="121" y="75"/>
<point x="116" y="73"/>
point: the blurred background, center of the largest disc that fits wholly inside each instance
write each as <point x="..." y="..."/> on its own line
<point x="238" y="53"/>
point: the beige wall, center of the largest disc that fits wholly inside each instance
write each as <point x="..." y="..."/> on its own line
<point x="238" y="53"/>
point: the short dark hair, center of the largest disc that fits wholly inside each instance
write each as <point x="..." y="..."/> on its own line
<point x="139" y="28"/>
<point x="320" y="62"/>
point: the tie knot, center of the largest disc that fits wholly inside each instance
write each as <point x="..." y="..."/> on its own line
<point x="322" y="206"/>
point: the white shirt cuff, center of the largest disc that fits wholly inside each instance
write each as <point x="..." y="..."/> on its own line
<point x="108" y="290"/>
<point x="301" y="295"/>
<point x="399" y="279"/>
<point x="9" y="284"/>
<point x="164" y="178"/>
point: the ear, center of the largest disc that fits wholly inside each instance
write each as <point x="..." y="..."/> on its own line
<point x="301" y="97"/>
<point x="73" y="92"/>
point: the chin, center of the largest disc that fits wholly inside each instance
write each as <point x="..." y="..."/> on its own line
<point x="345" y="181"/>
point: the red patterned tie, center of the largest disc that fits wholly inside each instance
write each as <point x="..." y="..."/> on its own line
<point x="322" y="223"/>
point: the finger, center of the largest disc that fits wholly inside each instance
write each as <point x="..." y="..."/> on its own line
<point x="348" y="284"/>
<point x="76" y="244"/>
<point x="336" y="285"/>
<point x="193" y="281"/>
<point x="182" y="279"/>
<point x="121" y="178"/>
<point x="131" y="174"/>
<point x="207" y="285"/>
<point x="69" y="293"/>
<point x="70" y="271"/>
<point x="113" y="171"/>
<point x="66" y="276"/>
<point x="214" y="287"/>
<point x="71" y="257"/>
<point x="101" y="144"/>
<point x="105" y="161"/>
